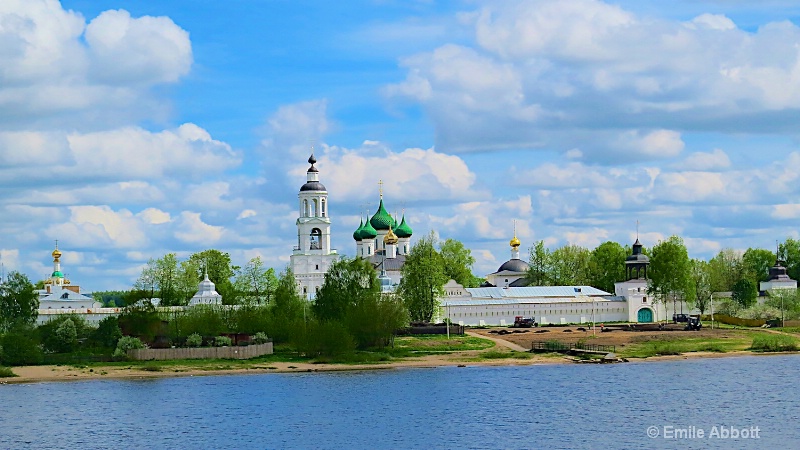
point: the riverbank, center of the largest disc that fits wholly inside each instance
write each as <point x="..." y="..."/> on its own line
<point x="480" y="347"/>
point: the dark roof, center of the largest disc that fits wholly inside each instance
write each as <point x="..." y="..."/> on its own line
<point x="514" y="265"/>
<point x="313" y="186"/>
<point x="389" y="264"/>
<point x="487" y="284"/>
<point x="522" y="282"/>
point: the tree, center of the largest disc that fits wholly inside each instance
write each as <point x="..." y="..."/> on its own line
<point x="255" y="284"/>
<point x="19" y="301"/>
<point x="107" y="333"/>
<point x="539" y="264"/>
<point x="670" y="272"/>
<point x="569" y="266"/>
<point x="607" y="265"/>
<point x="458" y="262"/>
<point x="790" y="253"/>
<point x="702" y="284"/>
<point x="744" y="292"/>
<point x="287" y="309"/>
<point x="423" y="279"/>
<point x="348" y="283"/>
<point x="726" y="269"/>
<point x="220" y="271"/>
<point x="757" y="262"/>
<point x="164" y="279"/>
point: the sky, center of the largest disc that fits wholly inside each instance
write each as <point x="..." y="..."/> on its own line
<point x="133" y="129"/>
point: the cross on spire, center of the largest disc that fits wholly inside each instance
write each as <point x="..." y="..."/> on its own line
<point x="380" y="188"/>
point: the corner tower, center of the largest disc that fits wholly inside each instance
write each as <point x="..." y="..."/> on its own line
<point x="313" y="255"/>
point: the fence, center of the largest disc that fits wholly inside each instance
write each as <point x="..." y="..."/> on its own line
<point x="562" y="347"/>
<point x="235" y="352"/>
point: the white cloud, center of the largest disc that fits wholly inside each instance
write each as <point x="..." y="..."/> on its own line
<point x="57" y="69"/>
<point x="714" y="160"/>
<point x="192" y="229"/>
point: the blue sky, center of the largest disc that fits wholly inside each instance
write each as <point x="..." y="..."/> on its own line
<point x="130" y="129"/>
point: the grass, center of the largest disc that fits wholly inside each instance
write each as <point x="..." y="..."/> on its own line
<point x="494" y="354"/>
<point x="6" y="372"/>
<point x="774" y="343"/>
<point x="664" y="347"/>
<point x="438" y="343"/>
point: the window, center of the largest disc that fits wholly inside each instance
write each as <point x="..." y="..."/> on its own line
<point x="316" y="239"/>
<point x="317" y="267"/>
<point x="323" y="207"/>
<point x="644" y="299"/>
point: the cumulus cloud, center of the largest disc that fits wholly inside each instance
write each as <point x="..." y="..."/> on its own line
<point x="56" y="68"/>
<point x="561" y="75"/>
<point x="714" y="160"/>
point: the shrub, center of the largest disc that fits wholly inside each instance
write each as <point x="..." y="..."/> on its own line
<point x="194" y="340"/>
<point x="222" y="341"/>
<point x="107" y="334"/>
<point x="773" y="343"/>
<point x="260" y="338"/>
<point x="325" y="339"/>
<point x="126" y="343"/>
<point x="21" y="347"/>
<point x="6" y="372"/>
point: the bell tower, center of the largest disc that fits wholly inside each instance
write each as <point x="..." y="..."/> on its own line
<point x="312" y="256"/>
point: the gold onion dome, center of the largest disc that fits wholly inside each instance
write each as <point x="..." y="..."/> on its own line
<point x="390" y="238"/>
<point x="514" y="242"/>
<point x="56" y="253"/>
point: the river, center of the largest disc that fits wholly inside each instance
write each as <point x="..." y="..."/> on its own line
<point x="543" y="406"/>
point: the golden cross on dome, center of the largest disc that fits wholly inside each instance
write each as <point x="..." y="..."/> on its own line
<point x="380" y="187"/>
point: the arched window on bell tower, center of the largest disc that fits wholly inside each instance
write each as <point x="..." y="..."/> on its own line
<point x="316" y="239"/>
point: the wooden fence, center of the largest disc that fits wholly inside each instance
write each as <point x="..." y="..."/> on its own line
<point x="233" y="352"/>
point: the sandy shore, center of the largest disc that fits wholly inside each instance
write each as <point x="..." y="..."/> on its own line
<point x="33" y="374"/>
<point x="30" y="374"/>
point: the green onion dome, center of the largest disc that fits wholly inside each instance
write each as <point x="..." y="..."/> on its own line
<point x="403" y="230"/>
<point x="381" y="220"/>
<point x="58" y="274"/>
<point x="357" y="233"/>
<point x="368" y="232"/>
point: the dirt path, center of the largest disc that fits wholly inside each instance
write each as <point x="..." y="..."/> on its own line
<point x="498" y="341"/>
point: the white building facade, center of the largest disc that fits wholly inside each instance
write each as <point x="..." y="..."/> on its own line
<point x="313" y="255"/>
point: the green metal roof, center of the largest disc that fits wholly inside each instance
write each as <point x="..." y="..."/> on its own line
<point x="357" y="233"/>
<point x="381" y="220"/>
<point x="368" y="232"/>
<point x="403" y="230"/>
<point x="58" y="274"/>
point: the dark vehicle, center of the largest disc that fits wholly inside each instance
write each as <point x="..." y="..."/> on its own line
<point x="693" y="323"/>
<point x="678" y="318"/>
<point x="524" y="322"/>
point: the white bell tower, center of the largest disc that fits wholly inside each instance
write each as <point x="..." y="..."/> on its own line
<point x="312" y="256"/>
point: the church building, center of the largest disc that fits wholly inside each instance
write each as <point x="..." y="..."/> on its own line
<point x="59" y="293"/>
<point x="385" y="243"/>
<point x="313" y="255"/>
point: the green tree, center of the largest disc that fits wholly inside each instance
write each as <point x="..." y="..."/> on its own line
<point x="423" y="279"/>
<point x="671" y="272"/>
<point x="786" y="301"/>
<point x="107" y="333"/>
<point x="701" y="278"/>
<point x="726" y="269"/>
<point x="61" y="333"/>
<point x="539" y="265"/>
<point x="348" y="282"/>
<point x="255" y="283"/>
<point x="607" y="265"/>
<point x="744" y="292"/>
<point x="790" y="253"/>
<point x="288" y="310"/>
<point x="220" y="270"/>
<point x="757" y="262"/>
<point x="458" y="262"/>
<point x="163" y="278"/>
<point x="20" y="346"/>
<point x="569" y="266"/>
<point x="19" y="301"/>
<point x="110" y="299"/>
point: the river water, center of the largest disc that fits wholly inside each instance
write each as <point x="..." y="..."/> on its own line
<point x="551" y="406"/>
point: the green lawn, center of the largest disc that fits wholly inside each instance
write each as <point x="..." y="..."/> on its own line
<point x="676" y="346"/>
